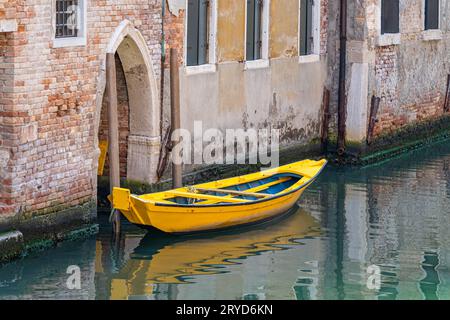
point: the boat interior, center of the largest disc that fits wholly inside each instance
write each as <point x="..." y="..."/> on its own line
<point x="238" y="193"/>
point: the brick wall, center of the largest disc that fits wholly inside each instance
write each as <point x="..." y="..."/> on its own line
<point x="410" y="78"/>
<point x="9" y="9"/>
<point x="48" y="117"/>
<point x="7" y="132"/>
<point x="386" y="73"/>
<point x="174" y="33"/>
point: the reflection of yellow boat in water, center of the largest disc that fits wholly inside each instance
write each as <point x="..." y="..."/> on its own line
<point x="221" y="204"/>
<point x="165" y="259"/>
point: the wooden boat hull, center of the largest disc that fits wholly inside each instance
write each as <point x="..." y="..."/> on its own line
<point x="147" y="210"/>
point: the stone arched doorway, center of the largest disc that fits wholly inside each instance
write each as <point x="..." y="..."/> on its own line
<point x="139" y="112"/>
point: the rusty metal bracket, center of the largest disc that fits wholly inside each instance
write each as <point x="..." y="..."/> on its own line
<point x="447" y="96"/>
<point x="166" y="149"/>
<point x="374" y="106"/>
<point x="325" y="118"/>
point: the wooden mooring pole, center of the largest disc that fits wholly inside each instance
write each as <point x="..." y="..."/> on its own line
<point x="113" y="132"/>
<point x="177" y="179"/>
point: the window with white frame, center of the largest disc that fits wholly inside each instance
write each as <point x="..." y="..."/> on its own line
<point x="197" y="43"/>
<point x="257" y="33"/>
<point x="69" y="21"/>
<point x="432" y="14"/>
<point x="309" y="27"/>
<point x="254" y="30"/>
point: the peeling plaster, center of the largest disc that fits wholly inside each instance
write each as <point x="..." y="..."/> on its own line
<point x="4" y="158"/>
<point x="283" y="37"/>
<point x="446" y="16"/>
<point x="230" y="30"/>
<point x="8" y="25"/>
<point x="175" y="6"/>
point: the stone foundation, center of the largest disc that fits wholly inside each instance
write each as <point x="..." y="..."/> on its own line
<point x="394" y="143"/>
<point x="27" y="233"/>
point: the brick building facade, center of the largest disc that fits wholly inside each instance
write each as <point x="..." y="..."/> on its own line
<point x="411" y="76"/>
<point x="407" y="67"/>
<point x="51" y="96"/>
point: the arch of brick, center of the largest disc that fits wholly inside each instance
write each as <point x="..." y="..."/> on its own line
<point x="143" y="99"/>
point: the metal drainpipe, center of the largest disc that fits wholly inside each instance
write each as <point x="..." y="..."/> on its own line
<point x="163" y="61"/>
<point x="342" y="112"/>
<point x="163" y="149"/>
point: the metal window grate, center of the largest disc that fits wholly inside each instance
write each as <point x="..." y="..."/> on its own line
<point x="66" y="18"/>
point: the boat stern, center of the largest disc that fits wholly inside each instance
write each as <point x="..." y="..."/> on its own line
<point x="121" y="199"/>
<point x="135" y="209"/>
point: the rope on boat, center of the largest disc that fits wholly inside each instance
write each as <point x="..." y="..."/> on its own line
<point x="111" y="215"/>
<point x="191" y="189"/>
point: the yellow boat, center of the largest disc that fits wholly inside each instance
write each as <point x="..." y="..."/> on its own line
<point x="220" y="204"/>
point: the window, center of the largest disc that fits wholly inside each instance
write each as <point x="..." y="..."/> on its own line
<point x="197" y="32"/>
<point x="431" y="14"/>
<point x="254" y="30"/>
<point x="390" y="16"/>
<point x="306" y="27"/>
<point x="67" y="18"/>
<point x="69" y="23"/>
<point x="309" y="30"/>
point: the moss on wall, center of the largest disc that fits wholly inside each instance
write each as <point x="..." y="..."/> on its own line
<point x="391" y="144"/>
<point x="39" y="231"/>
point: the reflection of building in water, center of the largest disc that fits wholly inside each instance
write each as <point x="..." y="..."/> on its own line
<point x="395" y="223"/>
<point x="415" y="204"/>
<point x="430" y="283"/>
<point x="40" y="277"/>
<point x="253" y="264"/>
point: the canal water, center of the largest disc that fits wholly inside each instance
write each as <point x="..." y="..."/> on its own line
<point x="381" y="232"/>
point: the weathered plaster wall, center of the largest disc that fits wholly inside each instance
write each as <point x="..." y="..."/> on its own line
<point x="286" y="95"/>
<point x="284" y="36"/>
<point x="230" y="24"/>
<point x="176" y="6"/>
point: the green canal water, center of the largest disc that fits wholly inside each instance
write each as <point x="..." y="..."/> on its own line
<point x="392" y="218"/>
